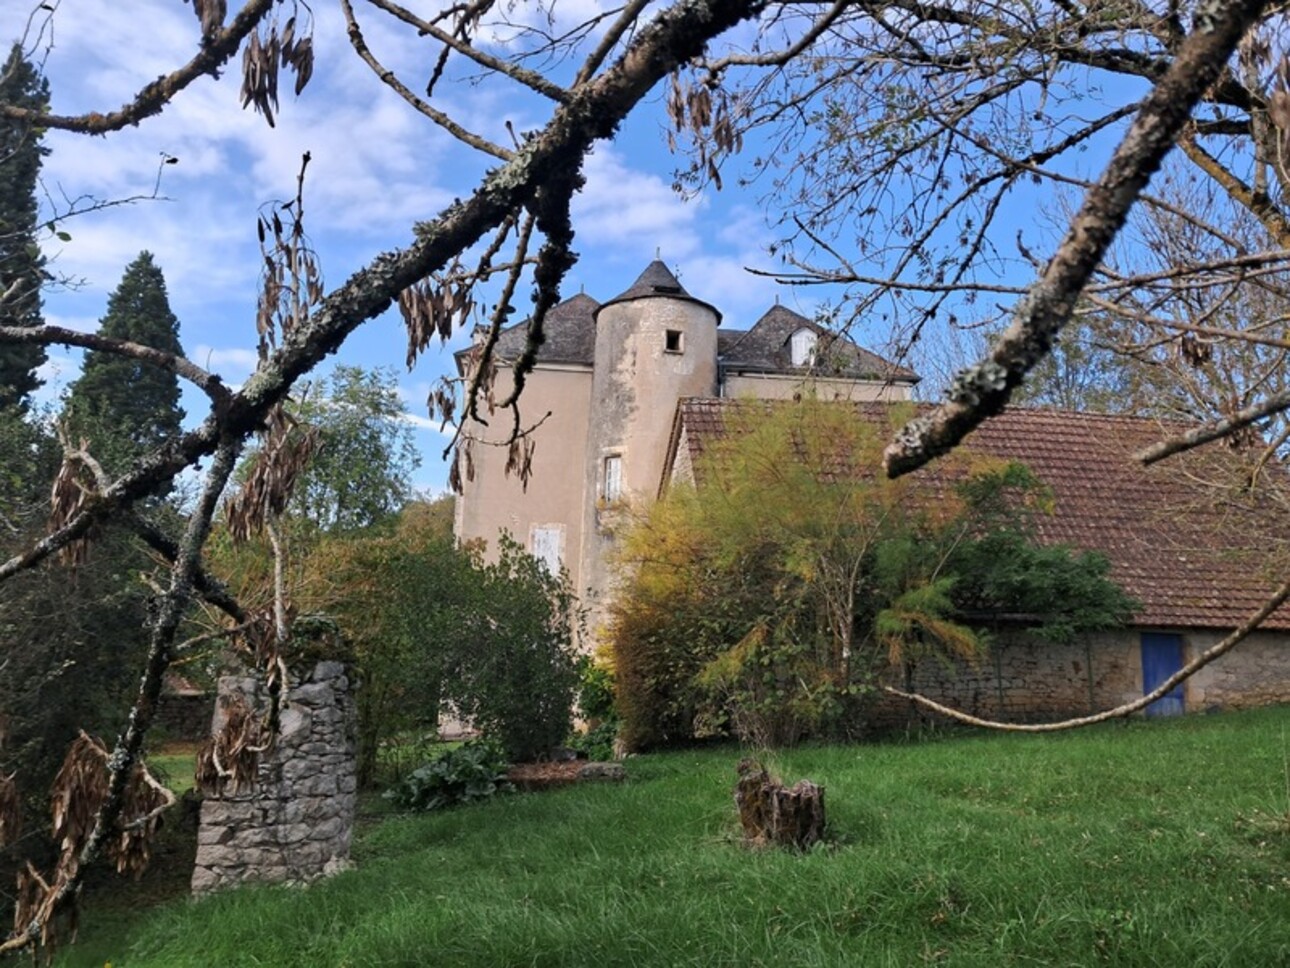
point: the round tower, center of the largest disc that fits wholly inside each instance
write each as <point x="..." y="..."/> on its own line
<point x="655" y="344"/>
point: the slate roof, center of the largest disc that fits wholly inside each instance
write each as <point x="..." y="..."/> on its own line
<point x="1193" y="554"/>
<point x="765" y="349"/>
<point x="569" y="331"/>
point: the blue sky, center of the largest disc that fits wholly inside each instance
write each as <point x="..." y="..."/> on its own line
<point x="377" y="167"/>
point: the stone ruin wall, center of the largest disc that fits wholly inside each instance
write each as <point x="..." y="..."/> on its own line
<point x="295" y="824"/>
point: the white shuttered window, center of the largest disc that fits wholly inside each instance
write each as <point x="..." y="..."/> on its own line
<point x="613" y="477"/>
<point x="544" y="545"/>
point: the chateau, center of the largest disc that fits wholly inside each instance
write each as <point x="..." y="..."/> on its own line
<point x="630" y="391"/>
<point x="608" y="380"/>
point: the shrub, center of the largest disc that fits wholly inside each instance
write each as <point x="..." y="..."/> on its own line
<point x="775" y="596"/>
<point x="470" y="772"/>
<point x="595" y="691"/>
<point x="598" y="742"/>
<point x="514" y="672"/>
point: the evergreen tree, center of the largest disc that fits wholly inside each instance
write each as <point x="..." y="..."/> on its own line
<point x="124" y="407"/>
<point x="21" y="264"/>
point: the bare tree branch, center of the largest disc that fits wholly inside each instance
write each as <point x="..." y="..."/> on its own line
<point x="778" y="58"/>
<point x="391" y="80"/>
<point x="215" y="51"/>
<point x="208" y="382"/>
<point x="983" y="390"/>
<point x="530" y="79"/>
<point x="1277" y="403"/>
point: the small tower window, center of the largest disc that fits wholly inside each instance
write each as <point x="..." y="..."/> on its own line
<point x="675" y="341"/>
<point x="802" y="347"/>
<point x="613" y="478"/>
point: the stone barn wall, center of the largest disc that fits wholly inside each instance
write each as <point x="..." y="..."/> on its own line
<point x="295" y="824"/>
<point x="1022" y="680"/>
<point x="1255" y="673"/>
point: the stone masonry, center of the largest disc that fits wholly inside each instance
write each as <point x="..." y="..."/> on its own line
<point x="1023" y="680"/>
<point x="295" y="825"/>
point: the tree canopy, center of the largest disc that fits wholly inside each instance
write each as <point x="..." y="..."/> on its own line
<point x="21" y="263"/>
<point x="124" y="407"/>
<point x="362" y="471"/>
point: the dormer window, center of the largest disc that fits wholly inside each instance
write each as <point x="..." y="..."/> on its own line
<point x="802" y="346"/>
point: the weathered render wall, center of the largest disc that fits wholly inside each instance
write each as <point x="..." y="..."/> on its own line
<point x="774" y="386"/>
<point x="495" y="501"/>
<point x="295" y="824"/>
<point x="636" y="385"/>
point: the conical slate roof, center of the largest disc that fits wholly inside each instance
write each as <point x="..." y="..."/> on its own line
<point x="656" y="282"/>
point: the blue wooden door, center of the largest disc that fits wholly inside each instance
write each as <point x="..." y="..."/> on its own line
<point x="1162" y="656"/>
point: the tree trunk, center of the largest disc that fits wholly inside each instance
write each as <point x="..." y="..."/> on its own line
<point x="772" y="813"/>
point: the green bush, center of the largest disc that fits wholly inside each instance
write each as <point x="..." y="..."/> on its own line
<point x="514" y="673"/>
<point x="472" y="771"/>
<point x="595" y="691"/>
<point x="597" y="743"/>
<point x="771" y="600"/>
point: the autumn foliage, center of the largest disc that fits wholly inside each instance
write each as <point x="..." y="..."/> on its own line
<point x="770" y="597"/>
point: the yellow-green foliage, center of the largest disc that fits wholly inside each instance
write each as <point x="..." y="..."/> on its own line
<point x="742" y="595"/>
<point x="769" y="598"/>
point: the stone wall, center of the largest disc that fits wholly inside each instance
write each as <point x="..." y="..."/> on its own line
<point x="295" y="824"/>
<point x="1022" y="680"/>
<point x="1255" y="673"/>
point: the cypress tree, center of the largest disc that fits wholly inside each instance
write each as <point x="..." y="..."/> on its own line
<point x="125" y="407"/>
<point x="22" y="267"/>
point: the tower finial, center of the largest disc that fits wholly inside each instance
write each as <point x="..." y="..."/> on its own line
<point x="658" y="252"/>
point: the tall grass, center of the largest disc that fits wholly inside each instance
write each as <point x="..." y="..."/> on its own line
<point x="1146" y="844"/>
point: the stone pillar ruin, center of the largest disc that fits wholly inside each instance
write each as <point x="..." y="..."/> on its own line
<point x="294" y="823"/>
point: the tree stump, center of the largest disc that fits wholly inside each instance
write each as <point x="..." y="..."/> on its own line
<point x="774" y="814"/>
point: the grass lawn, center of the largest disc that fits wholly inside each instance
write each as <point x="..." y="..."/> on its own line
<point x="1141" y="844"/>
<point x="176" y="763"/>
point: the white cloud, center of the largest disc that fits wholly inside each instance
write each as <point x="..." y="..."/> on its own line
<point x="633" y="212"/>
<point x="425" y="423"/>
<point x="225" y="360"/>
<point x="81" y="324"/>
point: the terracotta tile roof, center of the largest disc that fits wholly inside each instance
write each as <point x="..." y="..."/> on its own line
<point x="1194" y="554"/>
